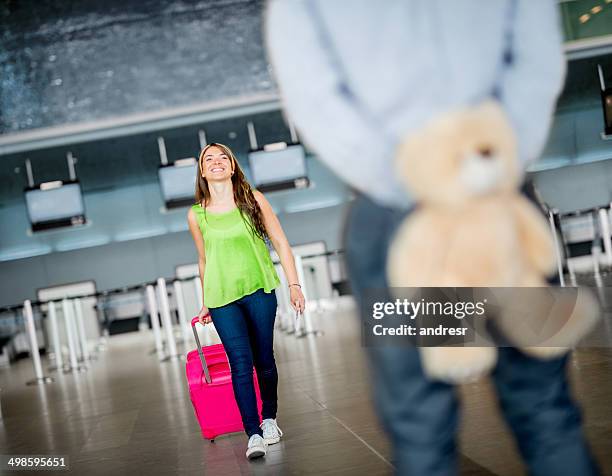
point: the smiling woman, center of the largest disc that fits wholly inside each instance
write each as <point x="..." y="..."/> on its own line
<point x="218" y="164"/>
<point x="230" y="224"/>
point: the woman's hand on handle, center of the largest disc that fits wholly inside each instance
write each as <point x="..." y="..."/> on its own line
<point x="204" y="316"/>
<point x="297" y="299"/>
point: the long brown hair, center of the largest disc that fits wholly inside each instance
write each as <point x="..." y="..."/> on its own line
<point x="243" y="193"/>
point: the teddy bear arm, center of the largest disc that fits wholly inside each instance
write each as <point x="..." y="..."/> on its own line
<point x="412" y="256"/>
<point x="571" y="317"/>
<point x="457" y="365"/>
<point x="536" y="239"/>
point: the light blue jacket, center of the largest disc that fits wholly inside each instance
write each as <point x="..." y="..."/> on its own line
<point x="358" y="75"/>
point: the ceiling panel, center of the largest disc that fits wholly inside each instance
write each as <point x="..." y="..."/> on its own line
<point x="69" y="62"/>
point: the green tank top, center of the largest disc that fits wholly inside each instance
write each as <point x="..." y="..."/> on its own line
<point x="237" y="261"/>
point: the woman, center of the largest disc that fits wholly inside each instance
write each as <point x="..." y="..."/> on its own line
<point x="230" y="223"/>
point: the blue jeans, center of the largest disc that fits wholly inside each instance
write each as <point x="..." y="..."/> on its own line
<point x="421" y="415"/>
<point x="246" y="329"/>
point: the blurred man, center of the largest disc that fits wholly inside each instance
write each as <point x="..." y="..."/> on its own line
<point x="356" y="77"/>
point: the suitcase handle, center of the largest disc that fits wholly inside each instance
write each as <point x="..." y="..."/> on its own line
<point x="194" y="321"/>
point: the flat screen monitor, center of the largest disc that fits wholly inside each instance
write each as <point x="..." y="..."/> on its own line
<point x="177" y="183"/>
<point x="279" y="167"/>
<point x="55" y="204"/>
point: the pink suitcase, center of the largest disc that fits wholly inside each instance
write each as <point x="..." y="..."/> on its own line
<point x="210" y="389"/>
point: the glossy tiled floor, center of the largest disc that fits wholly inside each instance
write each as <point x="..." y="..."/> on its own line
<point x="130" y="415"/>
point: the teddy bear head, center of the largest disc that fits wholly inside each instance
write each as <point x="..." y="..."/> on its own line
<point x="460" y="157"/>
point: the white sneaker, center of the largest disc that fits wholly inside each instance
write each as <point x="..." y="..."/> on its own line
<point x="271" y="432"/>
<point x="257" y="447"/>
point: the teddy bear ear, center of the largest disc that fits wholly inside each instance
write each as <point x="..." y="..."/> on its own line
<point x="492" y="114"/>
<point x="491" y="109"/>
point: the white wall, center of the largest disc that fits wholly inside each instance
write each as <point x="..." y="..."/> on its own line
<point x="132" y="262"/>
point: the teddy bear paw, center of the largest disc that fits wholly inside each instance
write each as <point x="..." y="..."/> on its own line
<point x="458" y="364"/>
<point x="544" y="353"/>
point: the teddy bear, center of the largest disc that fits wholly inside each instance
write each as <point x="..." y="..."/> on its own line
<point x="473" y="228"/>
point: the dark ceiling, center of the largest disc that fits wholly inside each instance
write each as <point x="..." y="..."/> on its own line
<point x="67" y="61"/>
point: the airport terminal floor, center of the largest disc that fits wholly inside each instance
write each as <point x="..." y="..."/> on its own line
<point x="131" y="414"/>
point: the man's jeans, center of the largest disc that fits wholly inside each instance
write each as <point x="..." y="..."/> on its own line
<point x="246" y="328"/>
<point x="421" y="416"/>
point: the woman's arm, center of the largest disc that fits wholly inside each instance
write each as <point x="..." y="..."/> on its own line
<point x="196" y="234"/>
<point x="283" y="249"/>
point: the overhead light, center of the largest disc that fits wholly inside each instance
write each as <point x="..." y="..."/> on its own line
<point x="275" y="146"/>
<point x="138" y="235"/>
<point x="596" y="9"/>
<point x="584" y="18"/>
<point x="309" y="206"/>
<point x="185" y="162"/>
<point x="79" y="244"/>
<point x="51" y="185"/>
<point x="24" y="253"/>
